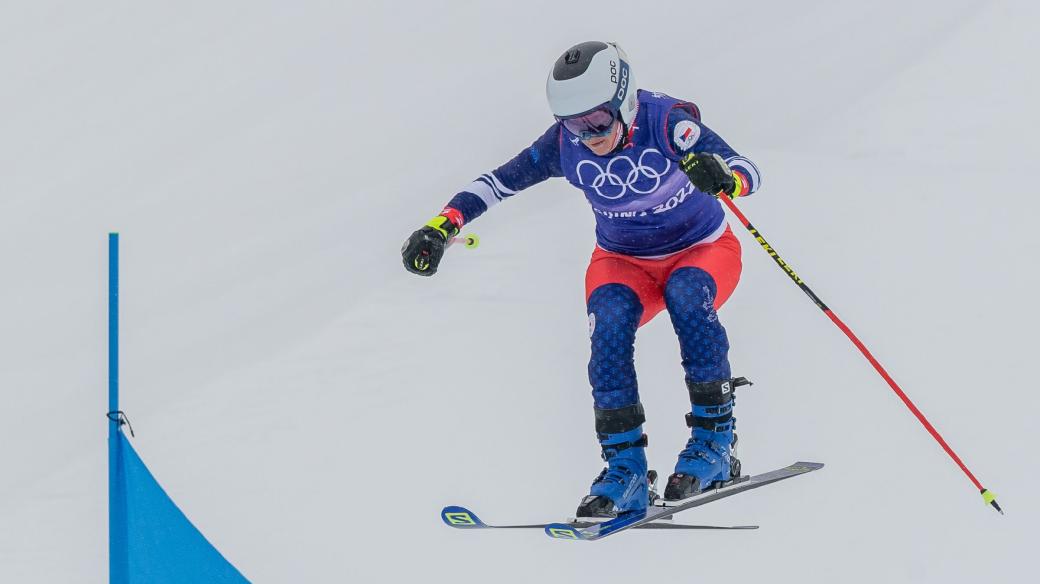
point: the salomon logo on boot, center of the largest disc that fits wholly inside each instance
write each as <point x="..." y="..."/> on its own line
<point x="706" y="460"/>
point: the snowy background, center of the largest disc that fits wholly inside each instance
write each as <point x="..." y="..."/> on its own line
<point x="311" y="406"/>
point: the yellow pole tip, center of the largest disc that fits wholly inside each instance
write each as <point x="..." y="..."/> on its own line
<point x="991" y="500"/>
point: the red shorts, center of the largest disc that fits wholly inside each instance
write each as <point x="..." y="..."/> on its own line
<point x="720" y="258"/>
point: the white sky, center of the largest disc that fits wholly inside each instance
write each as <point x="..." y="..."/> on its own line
<point x="311" y="406"/>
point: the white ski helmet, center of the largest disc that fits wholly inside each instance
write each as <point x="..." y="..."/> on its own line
<point x="591" y="75"/>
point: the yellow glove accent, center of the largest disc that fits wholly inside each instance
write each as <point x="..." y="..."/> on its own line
<point x="443" y="225"/>
<point x="739" y="186"/>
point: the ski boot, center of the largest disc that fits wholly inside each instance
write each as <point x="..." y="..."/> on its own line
<point x="624" y="485"/>
<point x="709" y="459"/>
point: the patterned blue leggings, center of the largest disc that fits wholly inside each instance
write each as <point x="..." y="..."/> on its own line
<point x="614" y="314"/>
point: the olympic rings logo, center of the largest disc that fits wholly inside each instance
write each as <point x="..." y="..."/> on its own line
<point x="612" y="185"/>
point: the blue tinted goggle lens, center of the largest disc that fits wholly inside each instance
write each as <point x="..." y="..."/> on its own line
<point x="591" y="125"/>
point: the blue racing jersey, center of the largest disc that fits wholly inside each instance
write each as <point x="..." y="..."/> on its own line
<point x="644" y="204"/>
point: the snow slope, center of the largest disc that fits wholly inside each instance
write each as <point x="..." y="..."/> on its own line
<point x="311" y="406"/>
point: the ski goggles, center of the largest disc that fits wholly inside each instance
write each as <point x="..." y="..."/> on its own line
<point x="598" y="122"/>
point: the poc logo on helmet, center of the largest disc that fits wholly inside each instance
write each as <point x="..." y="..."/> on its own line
<point x="623" y="86"/>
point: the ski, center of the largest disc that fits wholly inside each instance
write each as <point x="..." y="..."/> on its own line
<point x="657" y="512"/>
<point x="462" y="518"/>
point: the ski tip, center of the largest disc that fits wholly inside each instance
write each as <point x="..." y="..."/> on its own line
<point x="460" y="517"/>
<point x="991" y="500"/>
<point x="806" y="466"/>
<point x="562" y="531"/>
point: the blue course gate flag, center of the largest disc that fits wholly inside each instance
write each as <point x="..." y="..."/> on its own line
<point x="159" y="544"/>
<point x="150" y="539"/>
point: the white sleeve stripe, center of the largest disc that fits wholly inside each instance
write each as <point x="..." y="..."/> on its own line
<point x="489" y="189"/>
<point x="486" y="179"/>
<point x="484" y="191"/>
<point x="747" y="167"/>
<point x="501" y="188"/>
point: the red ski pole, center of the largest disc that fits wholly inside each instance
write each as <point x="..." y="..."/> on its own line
<point x="987" y="496"/>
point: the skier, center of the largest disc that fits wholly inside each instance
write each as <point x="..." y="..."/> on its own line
<point x="651" y="172"/>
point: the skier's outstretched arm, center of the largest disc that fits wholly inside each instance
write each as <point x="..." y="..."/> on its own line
<point x="712" y="165"/>
<point x="423" y="249"/>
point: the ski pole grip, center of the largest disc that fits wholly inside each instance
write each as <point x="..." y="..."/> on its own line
<point x="469" y="241"/>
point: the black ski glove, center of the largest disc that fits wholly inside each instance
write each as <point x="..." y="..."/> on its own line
<point x="423" y="249"/>
<point x="709" y="173"/>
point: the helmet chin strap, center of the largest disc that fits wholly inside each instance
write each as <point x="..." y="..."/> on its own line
<point x="619" y="140"/>
<point x="626" y="132"/>
<point x="624" y="138"/>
